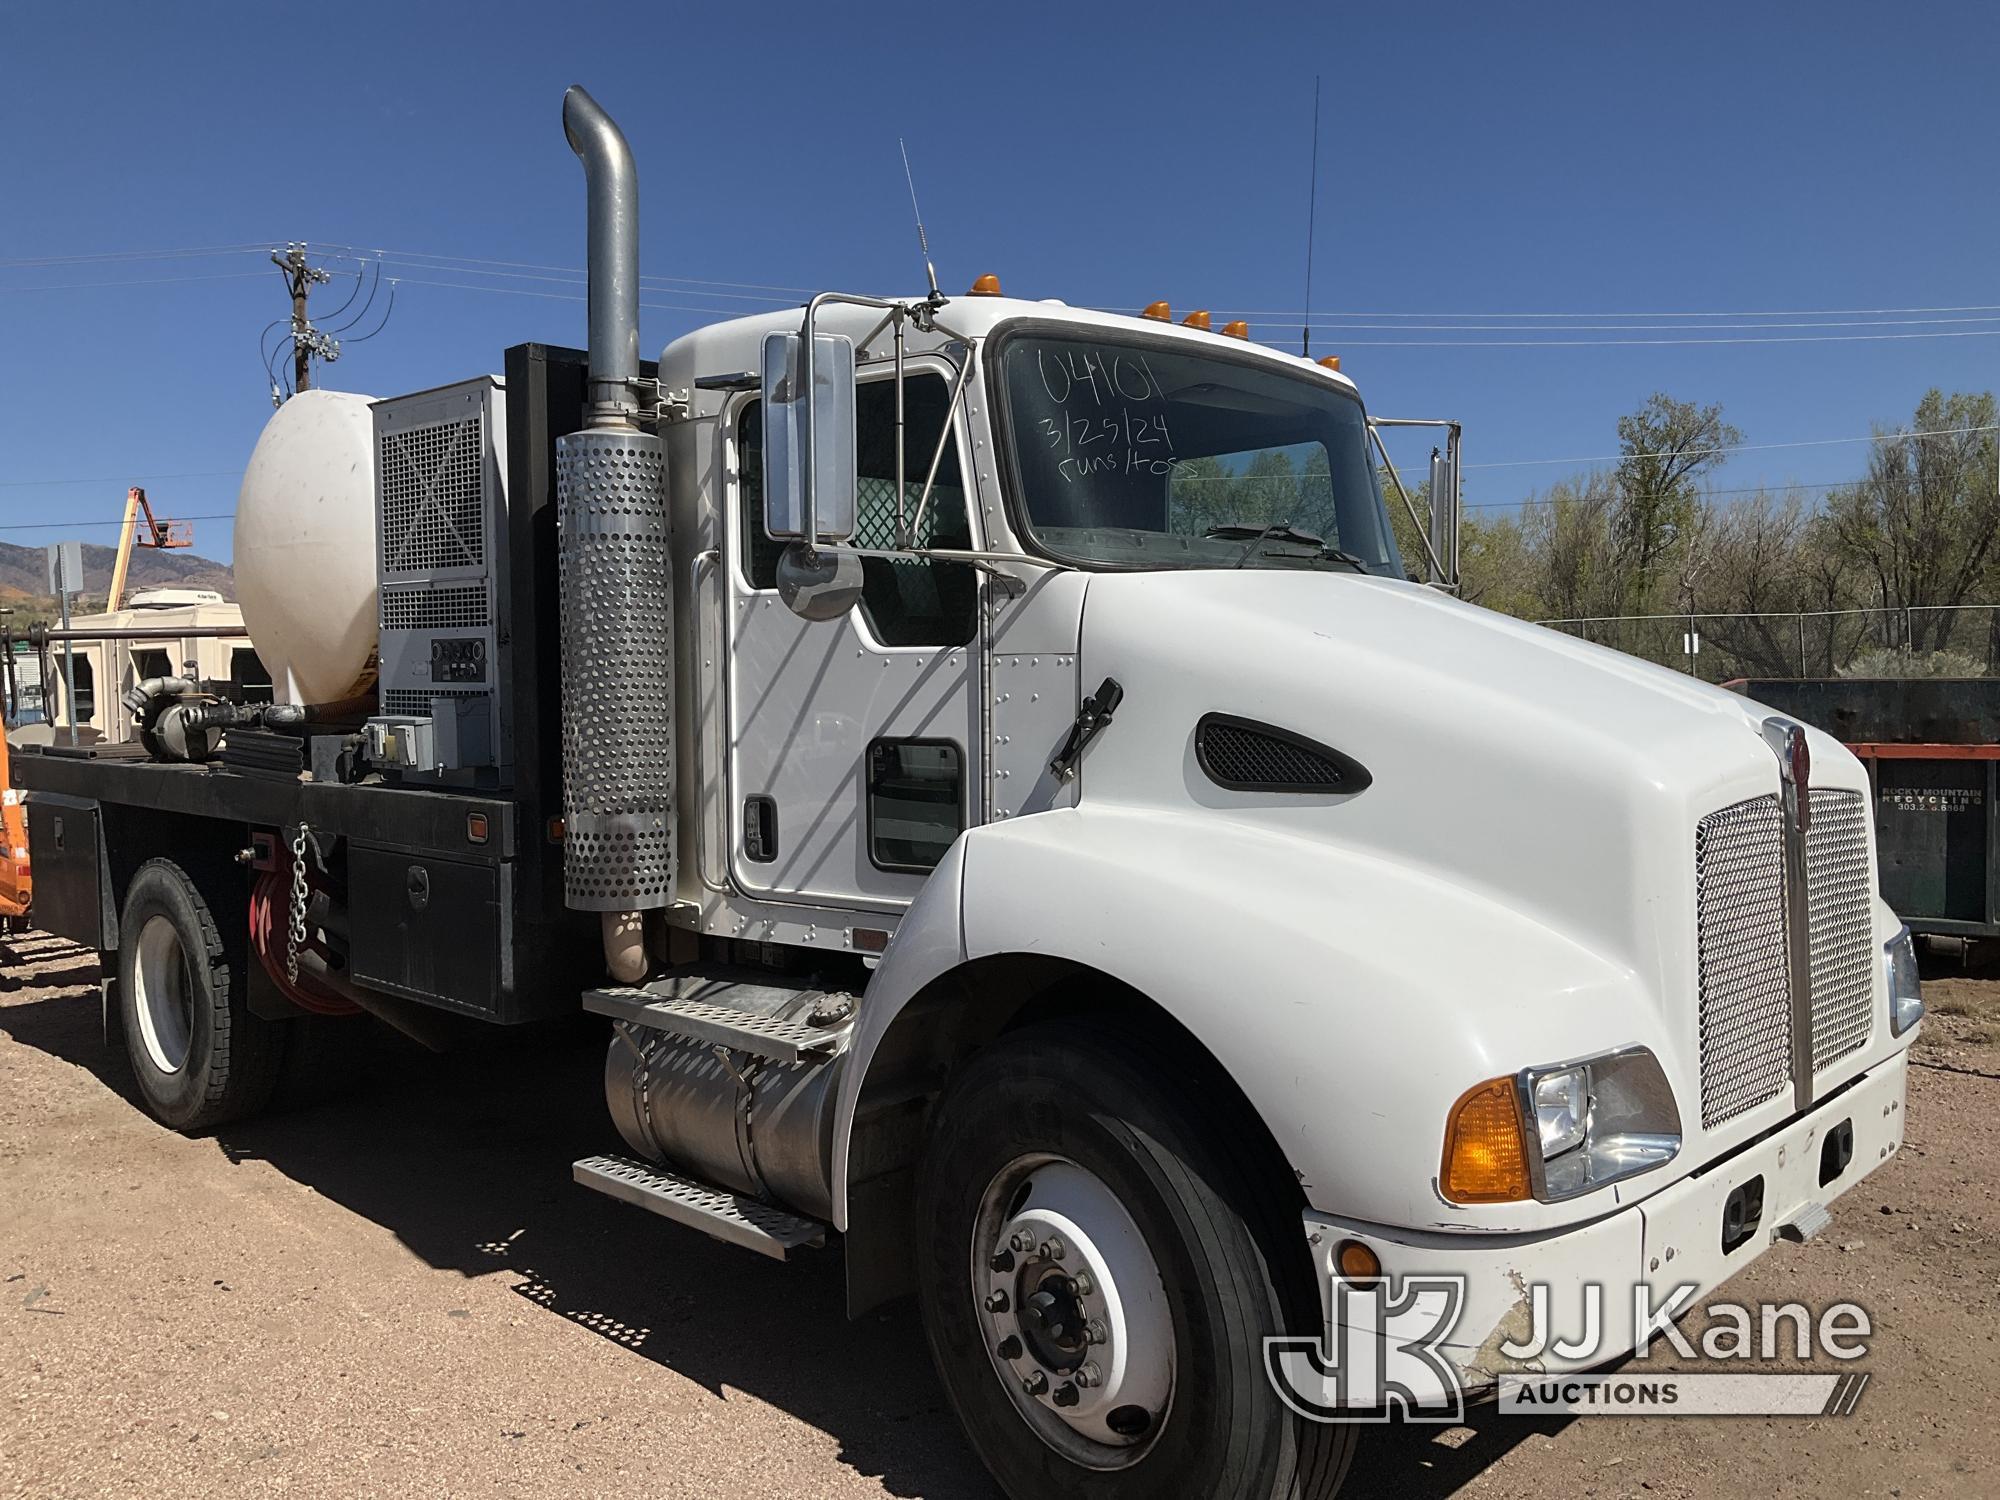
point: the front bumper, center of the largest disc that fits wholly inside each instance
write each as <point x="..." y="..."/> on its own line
<point x="1671" y="1240"/>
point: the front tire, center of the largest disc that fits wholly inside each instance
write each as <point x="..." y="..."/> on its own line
<point x="198" y="1055"/>
<point x="1102" y="1253"/>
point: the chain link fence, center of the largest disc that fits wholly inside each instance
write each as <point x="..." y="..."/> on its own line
<point x="1960" y="640"/>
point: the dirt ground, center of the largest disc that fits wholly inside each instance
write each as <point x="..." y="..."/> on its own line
<point x="398" y="1291"/>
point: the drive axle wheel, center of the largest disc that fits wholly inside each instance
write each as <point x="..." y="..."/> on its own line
<point x="198" y="1055"/>
<point x="1104" y="1247"/>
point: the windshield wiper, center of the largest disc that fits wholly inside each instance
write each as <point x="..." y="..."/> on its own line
<point x="1282" y="531"/>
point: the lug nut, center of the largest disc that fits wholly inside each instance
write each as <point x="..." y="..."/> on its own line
<point x="1010" y="1348"/>
<point x="1094" y="1331"/>
<point x="1034" y="1384"/>
<point x="1053" y="1248"/>
<point x="1090" y="1376"/>
<point x="1023" y="1241"/>
<point x="1066" y="1395"/>
<point x="1002" y="1261"/>
<point x="1084" y="1285"/>
<point x="996" y="1302"/>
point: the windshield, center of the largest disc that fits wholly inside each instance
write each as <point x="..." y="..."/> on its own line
<point x="1143" y="455"/>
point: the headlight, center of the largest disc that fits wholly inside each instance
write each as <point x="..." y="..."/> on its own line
<point x="1556" y="1132"/>
<point x="1906" y="990"/>
<point x="1562" y="1110"/>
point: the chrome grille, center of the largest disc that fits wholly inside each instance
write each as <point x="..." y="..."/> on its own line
<point x="1746" y="1021"/>
<point x="1843" y="948"/>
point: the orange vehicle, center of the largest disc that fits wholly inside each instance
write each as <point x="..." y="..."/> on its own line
<point x="14" y="883"/>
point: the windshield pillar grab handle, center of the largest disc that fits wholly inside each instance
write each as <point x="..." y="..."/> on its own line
<point x="937" y="454"/>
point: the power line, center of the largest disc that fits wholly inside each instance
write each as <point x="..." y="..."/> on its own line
<point x="1614" y="458"/>
<point x="1326" y="327"/>
<point x="118" y="255"/>
<point x="518" y="291"/>
<point x="459" y="261"/>
<point x="1794" y="312"/>
<point x="580" y="280"/>
<point x="16" y="484"/>
<point x="1747" y="489"/>
<point x="94" y="525"/>
<point x="84" y="286"/>
<point x="1830" y="338"/>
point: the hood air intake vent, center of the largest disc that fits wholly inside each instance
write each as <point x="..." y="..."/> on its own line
<point x="1243" y="755"/>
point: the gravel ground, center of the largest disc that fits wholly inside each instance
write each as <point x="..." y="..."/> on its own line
<point x="399" y="1292"/>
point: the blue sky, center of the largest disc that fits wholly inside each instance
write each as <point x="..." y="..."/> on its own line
<point x="1587" y="159"/>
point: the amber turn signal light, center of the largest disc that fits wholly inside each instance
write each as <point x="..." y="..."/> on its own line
<point x="1331" y="362"/>
<point x="1237" y="330"/>
<point x="1485" y="1152"/>
<point x="1196" y="320"/>
<point x="1356" y="1262"/>
<point x="986" y="286"/>
<point x="1159" y="312"/>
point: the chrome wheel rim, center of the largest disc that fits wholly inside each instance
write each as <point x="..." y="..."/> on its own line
<point x="1074" y="1313"/>
<point x="164" y="995"/>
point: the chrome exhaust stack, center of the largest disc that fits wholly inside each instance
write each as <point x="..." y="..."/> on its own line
<point x="616" y="585"/>
<point x="612" y="183"/>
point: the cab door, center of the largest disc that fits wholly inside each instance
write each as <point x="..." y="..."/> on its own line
<point x="852" y="745"/>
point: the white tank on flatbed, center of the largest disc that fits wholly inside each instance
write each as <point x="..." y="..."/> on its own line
<point x="305" y="547"/>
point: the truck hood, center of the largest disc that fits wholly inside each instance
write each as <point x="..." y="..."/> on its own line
<point x="1561" y="779"/>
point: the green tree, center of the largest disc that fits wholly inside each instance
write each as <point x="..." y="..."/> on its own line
<point x="1921" y="526"/>
<point x="1666" y="445"/>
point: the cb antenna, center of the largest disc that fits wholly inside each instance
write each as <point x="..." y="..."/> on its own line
<point x="1312" y="216"/>
<point x="923" y="241"/>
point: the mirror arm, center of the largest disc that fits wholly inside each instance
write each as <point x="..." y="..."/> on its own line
<point x="1408" y="505"/>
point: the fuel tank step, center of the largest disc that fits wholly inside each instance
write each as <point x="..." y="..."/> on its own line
<point x="724" y="1215"/>
<point x="731" y="1014"/>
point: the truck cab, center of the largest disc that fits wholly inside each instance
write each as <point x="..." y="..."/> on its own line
<point x="1025" y="821"/>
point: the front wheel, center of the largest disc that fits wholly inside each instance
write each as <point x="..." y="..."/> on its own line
<point x="1102" y="1255"/>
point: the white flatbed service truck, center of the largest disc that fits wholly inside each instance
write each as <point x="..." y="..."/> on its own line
<point x="1022" y="822"/>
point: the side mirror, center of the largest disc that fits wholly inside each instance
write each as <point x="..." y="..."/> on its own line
<point x="809" y="466"/>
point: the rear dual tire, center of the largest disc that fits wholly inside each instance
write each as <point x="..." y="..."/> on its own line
<point x="198" y="1055"/>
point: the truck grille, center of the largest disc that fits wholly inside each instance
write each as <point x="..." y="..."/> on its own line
<point x="1843" y="950"/>
<point x="1746" y="1000"/>
<point x="1744" y="968"/>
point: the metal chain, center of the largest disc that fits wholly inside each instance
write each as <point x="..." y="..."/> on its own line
<point x="295" y="931"/>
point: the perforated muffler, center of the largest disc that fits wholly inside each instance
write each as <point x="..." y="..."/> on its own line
<point x="616" y="581"/>
<point x="617" y="678"/>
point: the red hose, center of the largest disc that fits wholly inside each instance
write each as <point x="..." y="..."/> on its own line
<point x="268" y="926"/>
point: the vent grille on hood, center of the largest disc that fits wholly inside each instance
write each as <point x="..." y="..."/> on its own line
<point x="1245" y="756"/>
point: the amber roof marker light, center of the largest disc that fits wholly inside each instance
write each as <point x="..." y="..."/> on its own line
<point x="1330" y="362"/>
<point x="986" y="286"/>
<point x="1197" y="319"/>
<point x="1236" y="330"/>
<point x="1159" y="312"/>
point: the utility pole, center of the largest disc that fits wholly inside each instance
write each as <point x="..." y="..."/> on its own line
<point x="307" y="341"/>
<point x="13" y="694"/>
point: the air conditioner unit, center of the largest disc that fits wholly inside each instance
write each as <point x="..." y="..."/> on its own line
<point x="441" y="516"/>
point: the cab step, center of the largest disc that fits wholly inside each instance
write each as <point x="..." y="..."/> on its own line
<point x="749" y="1222"/>
<point x="727" y="1013"/>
